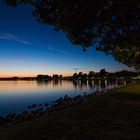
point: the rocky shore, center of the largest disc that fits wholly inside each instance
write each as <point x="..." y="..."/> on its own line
<point x="61" y="103"/>
<point x="106" y="115"/>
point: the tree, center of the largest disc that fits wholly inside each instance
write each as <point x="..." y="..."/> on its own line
<point x="103" y="73"/>
<point x="80" y="75"/>
<point x="42" y="77"/>
<point x="91" y="74"/>
<point x="75" y="76"/>
<point x="112" y="26"/>
<point x="84" y="77"/>
<point x="56" y="76"/>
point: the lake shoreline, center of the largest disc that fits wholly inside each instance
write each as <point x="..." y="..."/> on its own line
<point x="61" y="103"/>
<point x="19" y="96"/>
<point x="99" y="116"/>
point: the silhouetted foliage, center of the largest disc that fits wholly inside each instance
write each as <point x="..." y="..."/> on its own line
<point x="103" y="73"/>
<point x="56" y="76"/>
<point x="75" y="76"/>
<point x="84" y="76"/>
<point x="91" y="74"/>
<point x="15" y="78"/>
<point x="43" y="77"/>
<point x="80" y="75"/>
<point x="126" y="74"/>
<point x="112" y="26"/>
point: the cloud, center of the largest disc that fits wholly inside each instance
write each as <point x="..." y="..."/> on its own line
<point x="8" y="36"/>
<point x="56" y="50"/>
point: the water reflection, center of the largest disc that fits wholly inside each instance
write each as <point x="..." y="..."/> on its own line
<point x="91" y="84"/>
<point x="57" y="82"/>
<point x="15" y="96"/>
<point x="78" y="84"/>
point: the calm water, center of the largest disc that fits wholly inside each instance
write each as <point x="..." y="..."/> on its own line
<point x="15" y="96"/>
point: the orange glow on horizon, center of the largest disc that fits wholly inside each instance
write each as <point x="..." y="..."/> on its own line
<point x="34" y="74"/>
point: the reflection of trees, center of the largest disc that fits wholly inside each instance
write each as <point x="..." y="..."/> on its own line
<point x="40" y="83"/>
<point x="103" y="84"/>
<point x="91" y="83"/>
<point x="78" y="84"/>
<point x="96" y="82"/>
<point x="57" y="82"/>
<point x="75" y="84"/>
<point x="121" y="82"/>
<point x="111" y="82"/>
<point x="116" y="82"/>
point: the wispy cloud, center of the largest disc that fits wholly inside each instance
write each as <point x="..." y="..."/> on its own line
<point x="8" y="36"/>
<point x="56" y="50"/>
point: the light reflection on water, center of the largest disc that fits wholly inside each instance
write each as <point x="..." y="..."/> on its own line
<point x="15" y="96"/>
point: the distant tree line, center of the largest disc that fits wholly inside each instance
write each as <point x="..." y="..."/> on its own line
<point x="47" y="77"/>
<point x="91" y="75"/>
<point x="103" y="74"/>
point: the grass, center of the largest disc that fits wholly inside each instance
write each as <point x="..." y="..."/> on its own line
<point x="130" y="89"/>
<point x="109" y="117"/>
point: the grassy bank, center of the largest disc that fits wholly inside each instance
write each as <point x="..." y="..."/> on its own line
<point x="112" y="116"/>
<point x="130" y="89"/>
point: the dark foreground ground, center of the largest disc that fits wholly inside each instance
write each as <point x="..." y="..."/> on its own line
<point x="112" y="116"/>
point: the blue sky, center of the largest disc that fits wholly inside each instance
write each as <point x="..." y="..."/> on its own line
<point x="28" y="48"/>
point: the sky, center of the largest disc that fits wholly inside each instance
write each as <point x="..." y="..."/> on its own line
<point x="28" y="48"/>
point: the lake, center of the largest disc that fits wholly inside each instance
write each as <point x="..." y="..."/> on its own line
<point x="15" y="96"/>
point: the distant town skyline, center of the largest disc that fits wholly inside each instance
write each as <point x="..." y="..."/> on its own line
<point x="28" y="48"/>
